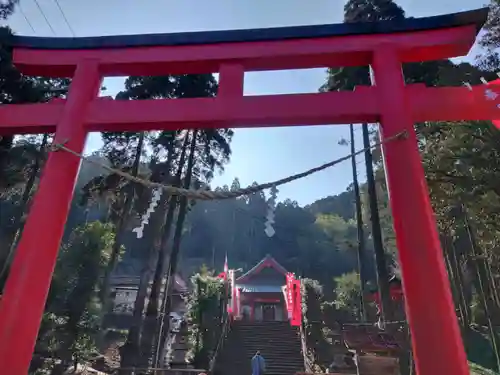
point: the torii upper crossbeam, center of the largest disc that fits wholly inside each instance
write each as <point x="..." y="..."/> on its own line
<point x="435" y="333"/>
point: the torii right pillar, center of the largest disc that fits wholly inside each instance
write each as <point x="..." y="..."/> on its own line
<point x="437" y="343"/>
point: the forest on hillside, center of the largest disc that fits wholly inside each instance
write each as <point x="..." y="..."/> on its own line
<point x="319" y="241"/>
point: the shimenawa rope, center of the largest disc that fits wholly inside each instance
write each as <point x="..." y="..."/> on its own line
<point x="219" y="195"/>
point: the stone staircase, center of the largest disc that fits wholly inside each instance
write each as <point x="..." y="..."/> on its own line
<point x="278" y="342"/>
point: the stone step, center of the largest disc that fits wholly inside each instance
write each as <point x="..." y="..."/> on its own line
<point x="274" y="338"/>
<point x="263" y="335"/>
<point x="263" y="324"/>
<point x="248" y="335"/>
<point x="289" y="341"/>
<point x="269" y="359"/>
<point x="275" y="360"/>
<point x="275" y="356"/>
<point x="266" y="352"/>
<point x="275" y="329"/>
<point x="246" y="363"/>
<point x="263" y="338"/>
<point x="238" y="371"/>
<point x="278" y="342"/>
<point x="260" y="344"/>
<point x="247" y="370"/>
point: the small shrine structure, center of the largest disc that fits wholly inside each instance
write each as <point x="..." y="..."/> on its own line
<point x="260" y="292"/>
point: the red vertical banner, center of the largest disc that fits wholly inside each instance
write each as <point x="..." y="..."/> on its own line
<point x="289" y="294"/>
<point x="297" y="304"/>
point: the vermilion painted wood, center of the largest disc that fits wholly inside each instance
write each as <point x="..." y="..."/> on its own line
<point x="362" y="105"/>
<point x="493" y="85"/>
<point x="437" y="344"/>
<point x="253" y="56"/>
<point x="29" y="279"/>
<point x="436" y="338"/>
<point x="231" y="81"/>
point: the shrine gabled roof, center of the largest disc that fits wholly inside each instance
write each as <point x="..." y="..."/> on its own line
<point x="268" y="261"/>
<point x="474" y="17"/>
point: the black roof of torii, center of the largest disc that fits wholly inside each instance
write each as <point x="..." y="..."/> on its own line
<point x="474" y="17"/>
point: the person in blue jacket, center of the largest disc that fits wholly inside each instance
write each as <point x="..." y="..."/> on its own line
<point x="258" y="364"/>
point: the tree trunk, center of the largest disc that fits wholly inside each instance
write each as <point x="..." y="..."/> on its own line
<point x="359" y="225"/>
<point x="172" y="266"/>
<point x="452" y="278"/>
<point x="380" y="257"/>
<point x="6" y="143"/>
<point x="123" y="220"/>
<point x="464" y="285"/>
<point x="482" y="288"/>
<point x="152" y="321"/>
<point x="494" y="291"/>
<point x="457" y="282"/>
<point x="129" y="352"/>
<point x="18" y="219"/>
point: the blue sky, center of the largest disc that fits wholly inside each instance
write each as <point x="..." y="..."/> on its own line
<point x="260" y="155"/>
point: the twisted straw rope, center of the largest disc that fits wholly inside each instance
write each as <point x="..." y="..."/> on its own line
<point x="219" y="195"/>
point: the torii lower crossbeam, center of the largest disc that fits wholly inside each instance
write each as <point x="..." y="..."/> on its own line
<point x="361" y="105"/>
<point x="437" y="344"/>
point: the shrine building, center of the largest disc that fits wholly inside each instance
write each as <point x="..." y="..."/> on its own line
<point x="261" y="292"/>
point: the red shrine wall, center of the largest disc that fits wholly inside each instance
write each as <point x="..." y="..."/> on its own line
<point x="263" y="307"/>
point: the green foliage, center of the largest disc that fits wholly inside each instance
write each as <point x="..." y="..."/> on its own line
<point x="490" y="39"/>
<point x="372" y="10"/>
<point x="7" y="8"/>
<point x="16" y="88"/>
<point x="310" y="243"/>
<point x="71" y="321"/>
<point x="342" y="205"/>
<point x="204" y="316"/>
<point x="319" y="350"/>
<point x="459" y="159"/>
<point x="348" y="293"/>
<point x="476" y="369"/>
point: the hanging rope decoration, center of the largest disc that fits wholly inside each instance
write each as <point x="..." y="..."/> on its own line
<point x="488" y="93"/>
<point x="206" y="195"/>
<point x="271" y="207"/>
<point x="145" y="218"/>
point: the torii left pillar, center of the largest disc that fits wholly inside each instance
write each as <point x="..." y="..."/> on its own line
<point x="36" y="255"/>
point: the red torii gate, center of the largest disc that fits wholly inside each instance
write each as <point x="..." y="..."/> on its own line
<point x="437" y="344"/>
